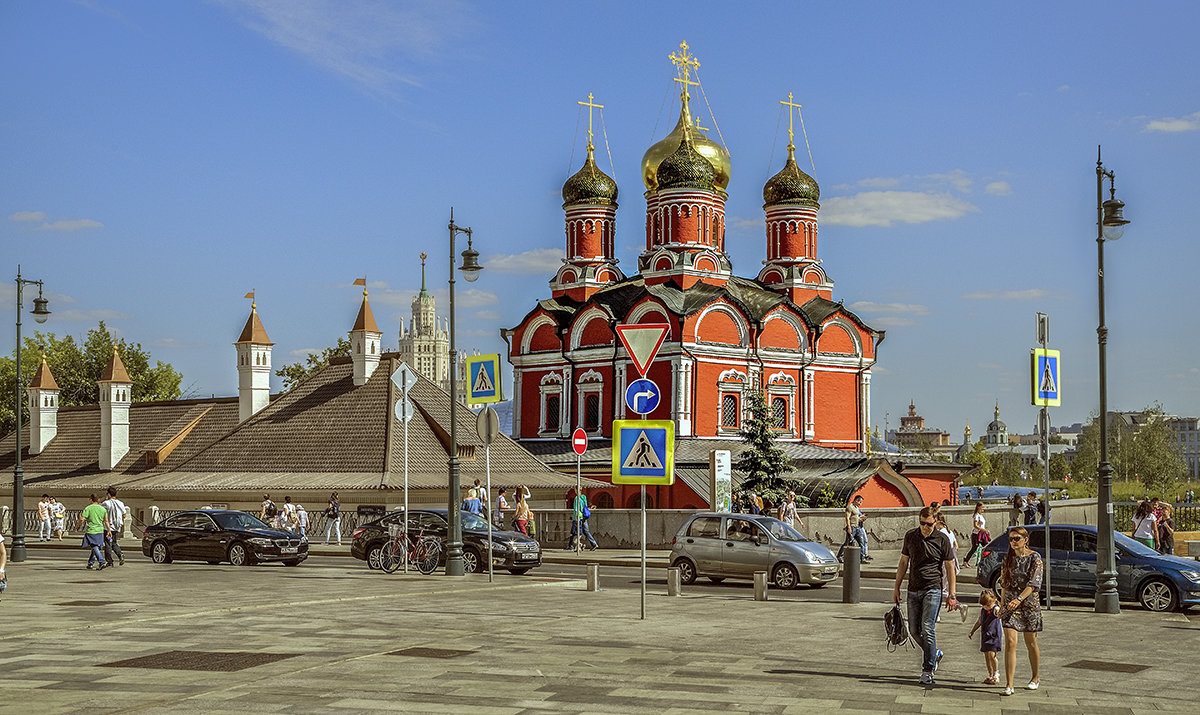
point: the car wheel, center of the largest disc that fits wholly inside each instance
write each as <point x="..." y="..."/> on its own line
<point x="1157" y="595"/>
<point x="716" y="579"/>
<point x="471" y="561"/>
<point x="375" y="557"/>
<point x="687" y="571"/>
<point x="786" y="576"/>
<point x="994" y="582"/>
<point x="518" y="572"/>
<point x="160" y="553"/>
<point x="239" y="555"/>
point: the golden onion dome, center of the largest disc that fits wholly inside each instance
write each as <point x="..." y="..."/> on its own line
<point x="714" y="153"/>
<point x="685" y="169"/>
<point x="589" y="185"/>
<point x="791" y="185"/>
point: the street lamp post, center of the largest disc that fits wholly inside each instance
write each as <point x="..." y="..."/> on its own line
<point x="470" y="269"/>
<point x="39" y="314"/>
<point x="1110" y="224"/>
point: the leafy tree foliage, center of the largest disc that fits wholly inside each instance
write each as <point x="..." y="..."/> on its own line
<point x="77" y="368"/>
<point x="295" y="373"/>
<point x="978" y="455"/>
<point x="1142" y="449"/>
<point x="1059" y="467"/>
<point x="764" y="464"/>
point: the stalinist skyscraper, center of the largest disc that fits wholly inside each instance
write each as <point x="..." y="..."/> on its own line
<point x="425" y="346"/>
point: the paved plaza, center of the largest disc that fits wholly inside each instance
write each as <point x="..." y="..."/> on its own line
<point x="330" y="636"/>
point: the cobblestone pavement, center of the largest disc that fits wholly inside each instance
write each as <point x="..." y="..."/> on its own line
<point x="330" y="636"/>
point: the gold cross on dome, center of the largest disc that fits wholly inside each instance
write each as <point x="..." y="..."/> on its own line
<point x="686" y="63"/>
<point x="590" y="105"/>
<point x="791" y="123"/>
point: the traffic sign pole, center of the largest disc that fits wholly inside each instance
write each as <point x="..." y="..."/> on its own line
<point x="405" y="378"/>
<point x="1043" y="334"/>
<point x="643" y="547"/>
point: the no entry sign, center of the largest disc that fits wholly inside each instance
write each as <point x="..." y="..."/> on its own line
<point x="579" y="441"/>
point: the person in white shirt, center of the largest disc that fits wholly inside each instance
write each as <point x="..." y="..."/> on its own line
<point x="116" y="518"/>
<point x="44" y="523"/>
<point x="58" y="512"/>
<point x="501" y="507"/>
<point x="301" y="520"/>
<point x="287" y="515"/>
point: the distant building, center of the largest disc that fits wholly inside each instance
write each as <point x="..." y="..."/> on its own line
<point x="1187" y="436"/>
<point x="425" y="346"/>
<point x="915" y="436"/>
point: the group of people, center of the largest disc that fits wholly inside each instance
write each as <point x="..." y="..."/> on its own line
<point x="294" y="518"/>
<point x="102" y="523"/>
<point x="52" y="515"/>
<point x="928" y="560"/>
<point x="1026" y="510"/>
<point x="1154" y="526"/>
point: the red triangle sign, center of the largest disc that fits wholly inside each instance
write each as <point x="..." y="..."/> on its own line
<point x="642" y="342"/>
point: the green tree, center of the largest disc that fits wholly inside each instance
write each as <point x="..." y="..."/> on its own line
<point x="1006" y="466"/>
<point x="978" y="455"/>
<point x="1059" y="467"/>
<point x="295" y="373"/>
<point x="77" y="368"/>
<point x="764" y="464"/>
<point x="1140" y="448"/>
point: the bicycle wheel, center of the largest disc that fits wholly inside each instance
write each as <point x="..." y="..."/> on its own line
<point x="392" y="556"/>
<point x="427" y="555"/>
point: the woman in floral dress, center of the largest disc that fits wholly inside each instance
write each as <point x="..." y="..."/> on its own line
<point x="1020" y="582"/>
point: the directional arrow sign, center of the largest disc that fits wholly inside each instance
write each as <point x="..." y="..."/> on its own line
<point x="643" y="452"/>
<point x="642" y="342"/>
<point x="642" y="396"/>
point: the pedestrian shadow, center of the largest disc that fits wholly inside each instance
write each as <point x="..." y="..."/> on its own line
<point x="889" y="679"/>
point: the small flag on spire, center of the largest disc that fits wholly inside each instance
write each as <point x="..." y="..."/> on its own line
<point x="249" y="295"/>
<point x="360" y="282"/>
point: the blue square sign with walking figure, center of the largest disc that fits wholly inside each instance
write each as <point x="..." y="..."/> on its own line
<point x="643" y="452"/>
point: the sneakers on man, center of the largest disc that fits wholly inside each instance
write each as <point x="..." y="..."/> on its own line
<point x="937" y="660"/>
<point x="593" y="547"/>
<point x="926" y="677"/>
<point x="91" y="566"/>
<point x="121" y="562"/>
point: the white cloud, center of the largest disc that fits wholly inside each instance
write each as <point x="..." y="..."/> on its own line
<point x="744" y="224"/>
<point x="1027" y="294"/>
<point x="537" y="261"/>
<point x="884" y="208"/>
<point x="358" y="39"/>
<point x="957" y="178"/>
<point x="90" y="316"/>
<point x="866" y="306"/>
<point x="78" y="224"/>
<point x="998" y="188"/>
<point x="1190" y="123"/>
<point x="891" y="322"/>
<point x="880" y="182"/>
<point x="487" y="315"/>
<point x="28" y="216"/>
<point x="472" y="298"/>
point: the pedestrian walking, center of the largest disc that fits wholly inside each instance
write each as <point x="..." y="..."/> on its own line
<point x="853" y="526"/>
<point x="1020" y="581"/>
<point x="1145" y="525"/>
<point x="522" y="513"/>
<point x="333" y="519"/>
<point x="991" y="634"/>
<point x="301" y="521"/>
<point x="787" y="510"/>
<point x="1016" y="512"/>
<point x="924" y="552"/>
<point x="1166" y="532"/>
<point x="472" y="504"/>
<point x="579" y="523"/>
<point x="3" y="565"/>
<point x="269" y="513"/>
<point x="501" y="507"/>
<point x="481" y="493"/>
<point x="1031" y="508"/>
<point x="94" y="521"/>
<point x="44" y="522"/>
<point x="58" y="512"/>
<point x="979" y="533"/>
<point x="116" y="510"/>
<point x="287" y="515"/>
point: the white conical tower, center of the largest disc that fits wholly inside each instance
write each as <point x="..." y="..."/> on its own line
<point x="254" y="366"/>
<point x="115" y="388"/>
<point x="43" y="408"/>
<point x="364" y="342"/>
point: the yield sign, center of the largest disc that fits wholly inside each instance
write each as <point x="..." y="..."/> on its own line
<point x="642" y="342"/>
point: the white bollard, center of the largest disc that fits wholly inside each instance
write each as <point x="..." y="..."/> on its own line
<point x="128" y="533"/>
<point x="593" y="577"/>
<point x="674" y="587"/>
<point x="760" y="585"/>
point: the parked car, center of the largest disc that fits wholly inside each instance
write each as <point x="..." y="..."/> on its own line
<point x="216" y="535"/>
<point x="722" y="546"/>
<point x="510" y="550"/>
<point x="1158" y="582"/>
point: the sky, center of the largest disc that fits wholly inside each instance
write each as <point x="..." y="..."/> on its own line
<point x="160" y="159"/>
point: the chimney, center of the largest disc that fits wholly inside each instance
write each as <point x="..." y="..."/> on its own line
<point x="364" y="342"/>
<point x="115" y="387"/>
<point x="254" y="367"/>
<point x="43" y="408"/>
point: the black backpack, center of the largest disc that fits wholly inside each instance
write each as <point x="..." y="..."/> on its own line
<point x="270" y="510"/>
<point x="895" y="630"/>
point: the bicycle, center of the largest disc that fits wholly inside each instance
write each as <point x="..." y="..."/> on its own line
<point x="424" y="552"/>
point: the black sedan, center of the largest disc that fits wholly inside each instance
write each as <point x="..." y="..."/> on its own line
<point x="510" y="550"/>
<point x="216" y="535"/>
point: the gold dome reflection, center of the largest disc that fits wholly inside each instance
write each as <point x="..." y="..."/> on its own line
<point x="710" y="150"/>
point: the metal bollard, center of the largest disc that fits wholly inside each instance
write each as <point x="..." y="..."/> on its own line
<point x="673" y="583"/>
<point x="851" y="573"/>
<point x="760" y="585"/>
<point x="593" y="577"/>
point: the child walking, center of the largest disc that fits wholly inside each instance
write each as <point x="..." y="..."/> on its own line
<point x="992" y="634"/>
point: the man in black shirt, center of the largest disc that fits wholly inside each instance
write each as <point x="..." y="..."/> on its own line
<point x="925" y="551"/>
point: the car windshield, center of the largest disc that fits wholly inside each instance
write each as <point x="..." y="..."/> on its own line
<point x="238" y="520"/>
<point x="1130" y="546"/>
<point x="781" y="531"/>
<point x="473" y="522"/>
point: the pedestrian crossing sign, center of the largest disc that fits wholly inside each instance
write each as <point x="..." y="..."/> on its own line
<point x="643" y="452"/>
<point x="1045" y="378"/>
<point x="483" y="375"/>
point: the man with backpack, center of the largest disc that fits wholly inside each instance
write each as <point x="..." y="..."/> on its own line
<point x="269" y="511"/>
<point x="926" y="550"/>
<point x="579" y="524"/>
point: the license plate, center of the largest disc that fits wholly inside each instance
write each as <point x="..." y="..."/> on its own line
<point x="289" y="550"/>
<point x="527" y="557"/>
<point x="831" y="569"/>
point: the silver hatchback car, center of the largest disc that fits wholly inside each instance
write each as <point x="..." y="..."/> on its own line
<point x="722" y="546"/>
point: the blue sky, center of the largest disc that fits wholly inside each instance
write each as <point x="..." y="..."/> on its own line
<point x="160" y="159"/>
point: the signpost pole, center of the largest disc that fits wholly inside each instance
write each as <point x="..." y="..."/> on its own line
<point x="575" y="505"/>
<point x="405" y="398"/>
<point x="487" y="466"/>
<point x="643" y="500"/>
<point x="1043" y="334"/>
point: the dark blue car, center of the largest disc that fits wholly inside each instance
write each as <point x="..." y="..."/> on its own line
<point x="1159" y="583"/>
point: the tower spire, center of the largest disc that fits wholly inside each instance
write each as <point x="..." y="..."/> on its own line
<point x="590" y="105"/>
<point x="685" y="64"/>
<point x="791" y="124"/>
<point x="423" y="291"/>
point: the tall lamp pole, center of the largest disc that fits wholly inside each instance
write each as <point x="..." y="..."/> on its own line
<point x="470" y="269"/>
<point x="40" y="314"/>
<point x="1110" y="224"/>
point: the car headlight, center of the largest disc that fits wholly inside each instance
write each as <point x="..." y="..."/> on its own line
<point x="1193" y="576"/>
<point x="261" y="542"/>
<point x="807" y="557"/>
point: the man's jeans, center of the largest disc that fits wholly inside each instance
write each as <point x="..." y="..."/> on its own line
<point x="112" y="547"/>
<point x="44" y="526"/>
<point x="587" y="534"/>
<point x="922" y="620"/>
<point x="858" y="535"/>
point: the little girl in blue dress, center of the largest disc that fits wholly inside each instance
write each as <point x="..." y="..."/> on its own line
<point x="992" y="634"/>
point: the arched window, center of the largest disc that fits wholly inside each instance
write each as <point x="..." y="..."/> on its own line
<point x="552" y="410"/>
<point x="729" y="411"/>
<point x="591" y="412"/>
<point x="779" y="413"/>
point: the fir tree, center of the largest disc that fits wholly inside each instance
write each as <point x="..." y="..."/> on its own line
<point x="763" y="463"/>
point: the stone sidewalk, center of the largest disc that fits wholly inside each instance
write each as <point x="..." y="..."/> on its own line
<point x="331" y="636"/>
